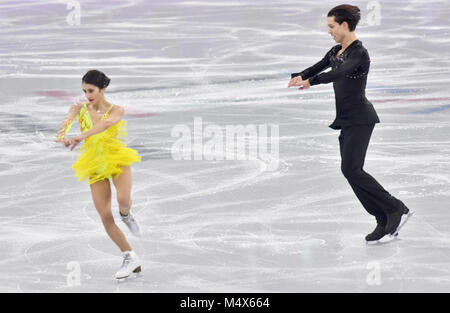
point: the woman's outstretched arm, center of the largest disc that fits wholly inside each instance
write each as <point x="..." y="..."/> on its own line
<point x="74" y="110"/>
<point x="114" y="117"/>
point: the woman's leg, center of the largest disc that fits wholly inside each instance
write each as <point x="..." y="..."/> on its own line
<point x="122" y="183"/>
<point x="101" y="194"/>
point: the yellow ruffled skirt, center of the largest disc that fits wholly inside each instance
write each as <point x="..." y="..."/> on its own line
<point x="103" y="155"/>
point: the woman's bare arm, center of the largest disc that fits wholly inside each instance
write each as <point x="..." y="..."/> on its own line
<point x="114" y="117"/>
<point x="67" y="124"/>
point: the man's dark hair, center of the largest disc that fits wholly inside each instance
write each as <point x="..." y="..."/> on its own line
<point x="96" y="78"/>
<point x="346" y="13"/>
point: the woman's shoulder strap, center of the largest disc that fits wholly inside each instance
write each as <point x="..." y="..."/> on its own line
<point x="109" y="109"/>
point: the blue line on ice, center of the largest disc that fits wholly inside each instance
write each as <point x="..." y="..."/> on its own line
<point x="435" y="109"/>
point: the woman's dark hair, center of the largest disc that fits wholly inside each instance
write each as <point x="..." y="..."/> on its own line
<point x="346" y="13"/>
<point x="96" y="78"/>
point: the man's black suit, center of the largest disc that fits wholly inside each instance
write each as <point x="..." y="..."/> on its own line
<point x="356" y="118"/>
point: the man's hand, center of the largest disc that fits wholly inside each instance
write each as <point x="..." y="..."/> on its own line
<point x="294" y="81"/>
<point x="298" y="82"/>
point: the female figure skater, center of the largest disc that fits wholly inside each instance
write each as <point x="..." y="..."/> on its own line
<point x="355" y="117"/>
<point x="102" y="157"/>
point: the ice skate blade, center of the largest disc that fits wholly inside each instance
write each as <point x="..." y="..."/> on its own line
<point x="129" y="278"/>
<point x="136" y="274"/>
<point x="405" y="218"/>
<point x="382" y="241"/>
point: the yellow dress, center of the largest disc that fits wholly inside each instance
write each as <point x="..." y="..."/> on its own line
<point x="103" y="154"/>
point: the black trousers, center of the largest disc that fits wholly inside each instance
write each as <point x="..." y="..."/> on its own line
<point x="353" y="142"/>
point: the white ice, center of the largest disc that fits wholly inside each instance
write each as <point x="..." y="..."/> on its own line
<point x="223" y="226"/>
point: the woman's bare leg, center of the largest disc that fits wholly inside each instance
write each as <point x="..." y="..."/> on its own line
<point x="101" y="194"/>
<point x="122" y="183"/>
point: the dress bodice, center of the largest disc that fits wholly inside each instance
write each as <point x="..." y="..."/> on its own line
<point x="85" y="120"/>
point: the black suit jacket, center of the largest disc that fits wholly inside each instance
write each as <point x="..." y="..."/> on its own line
<point x="349" y="76"/>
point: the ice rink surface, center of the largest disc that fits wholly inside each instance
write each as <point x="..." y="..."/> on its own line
<point x="223" y="225"/>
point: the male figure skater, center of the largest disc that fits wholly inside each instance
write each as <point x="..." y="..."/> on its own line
<point x="355" y="117"/>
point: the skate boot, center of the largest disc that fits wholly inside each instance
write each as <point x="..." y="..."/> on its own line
<point x="397" y="219"/>
<point x="407" y="213"/>
<point x="379" y="232"/>
<point x="131" y="264"/>
<point x="131" y="223"/>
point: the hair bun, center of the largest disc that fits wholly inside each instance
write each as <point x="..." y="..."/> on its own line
<point x="106" y="81"/>
<point x="96" y="78"/>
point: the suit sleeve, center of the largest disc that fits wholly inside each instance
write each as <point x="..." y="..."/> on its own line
<point x="316" y="68"/>
<point x="355" y="59"/>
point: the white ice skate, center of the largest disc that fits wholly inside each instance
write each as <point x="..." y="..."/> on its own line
<point x="131" y="223"/>
<point x="130" y="265"/>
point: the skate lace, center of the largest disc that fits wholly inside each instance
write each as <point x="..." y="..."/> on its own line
<point x="128" y="219"/>
<point x="126" y="261"/>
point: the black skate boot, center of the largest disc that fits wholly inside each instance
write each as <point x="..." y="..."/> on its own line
<point x="395" y="218"/>
<point x="379" y="231"/>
